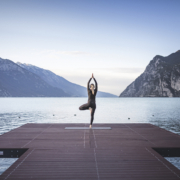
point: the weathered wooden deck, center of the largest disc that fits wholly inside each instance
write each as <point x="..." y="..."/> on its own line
<point x="124" y="152"/>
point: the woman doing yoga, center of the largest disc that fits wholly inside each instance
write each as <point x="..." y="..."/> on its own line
<point x="91" y="105"/>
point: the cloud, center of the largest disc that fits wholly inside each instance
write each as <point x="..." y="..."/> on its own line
<point x="73" y="53"/>
<point x="109" y="73"/>
<point x="125" y="70"/>
<point x="55" y="53"/>
<point x="113" y="80"/>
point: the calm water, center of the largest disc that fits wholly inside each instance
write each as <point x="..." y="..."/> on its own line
<point x="174" y="160"/>
<point x="5" y="163"/>
<point x="163" y="112"/>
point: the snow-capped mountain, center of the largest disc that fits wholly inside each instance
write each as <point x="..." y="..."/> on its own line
<point x="22" y="80"/>
<point x="161" y="78"/>
<point x="57" y="81"/>
<point x="16" y="81"/>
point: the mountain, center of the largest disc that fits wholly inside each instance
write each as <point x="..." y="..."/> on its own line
<point x="57" y="81"/>
<point x="161" y="78"/>
<point x="16" y="81"/>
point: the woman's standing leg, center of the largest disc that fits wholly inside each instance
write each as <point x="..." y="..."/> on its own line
<point x="92" y="113"/>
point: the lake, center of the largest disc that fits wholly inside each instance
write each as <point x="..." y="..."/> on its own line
<point x="163" y="112"/>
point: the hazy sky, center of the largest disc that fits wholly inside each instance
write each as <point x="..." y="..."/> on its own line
<point x="73" y="38"/>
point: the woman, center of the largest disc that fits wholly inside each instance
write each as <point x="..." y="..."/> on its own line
<point x="91" y="105"/>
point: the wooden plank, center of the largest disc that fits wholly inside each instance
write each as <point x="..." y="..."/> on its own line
<point x="126" y="152"/>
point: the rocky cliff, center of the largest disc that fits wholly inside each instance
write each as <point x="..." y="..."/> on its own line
<point x="161" y="78"/>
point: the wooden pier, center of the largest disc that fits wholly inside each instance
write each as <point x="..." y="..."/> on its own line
<point x="124" y="152"/>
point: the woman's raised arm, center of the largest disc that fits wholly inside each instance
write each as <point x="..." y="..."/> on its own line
<point x="96" y="84"/>
<point x="88" y="84"/>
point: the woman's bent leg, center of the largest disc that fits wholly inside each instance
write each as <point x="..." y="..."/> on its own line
<point x="84" y="106"/>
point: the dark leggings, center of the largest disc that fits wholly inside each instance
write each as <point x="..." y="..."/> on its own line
<point x="87" y="106"/>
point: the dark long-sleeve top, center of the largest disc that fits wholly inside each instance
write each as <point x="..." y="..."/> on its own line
<point x="91" y="96"/>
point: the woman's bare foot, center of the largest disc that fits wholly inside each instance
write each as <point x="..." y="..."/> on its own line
<point x="90" y="126"/>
